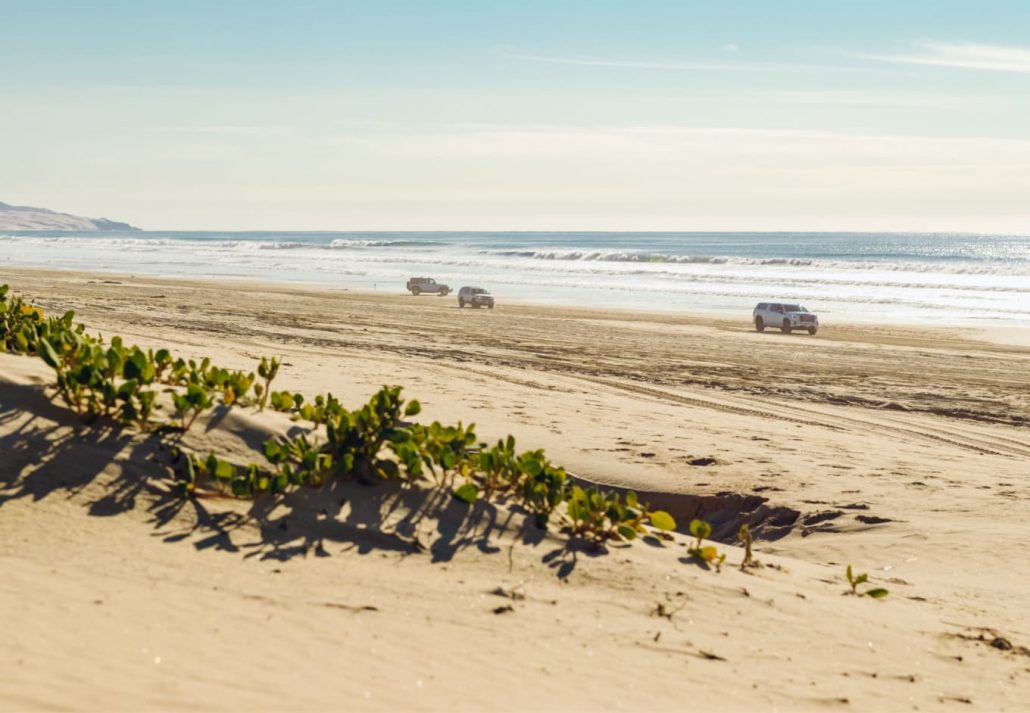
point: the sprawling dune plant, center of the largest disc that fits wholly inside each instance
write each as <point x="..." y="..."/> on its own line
<point x="376" y="442"/>
<point x="113" y="380"/>
<point x="24" y="326"/>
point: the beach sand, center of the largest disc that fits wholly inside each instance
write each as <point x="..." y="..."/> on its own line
<point x="900" y="450"/>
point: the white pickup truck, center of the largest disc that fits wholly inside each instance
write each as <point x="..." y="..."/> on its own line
<point x="785" y="315"/>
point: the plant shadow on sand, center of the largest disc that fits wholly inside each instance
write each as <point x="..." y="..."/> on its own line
<point x="48" y="451"/>
<point x="47" y="448"/>
<point x="388" y="517"/>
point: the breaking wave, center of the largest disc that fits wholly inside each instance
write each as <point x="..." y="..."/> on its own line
<point x="956" y="268"/>
<point x="340" y="243"/>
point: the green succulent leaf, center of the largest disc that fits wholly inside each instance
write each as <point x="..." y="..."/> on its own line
<point x="467" y="493"/>
<point x="49" y="355"/>
<point x="627" y="532"/>
<point x="224" y="470"/>
<point x="700" y="529"/>
<point x="662" y="520"/>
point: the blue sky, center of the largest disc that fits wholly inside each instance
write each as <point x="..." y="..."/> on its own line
<point x="520" y="115"/>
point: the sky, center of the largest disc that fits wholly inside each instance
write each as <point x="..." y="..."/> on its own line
<point x="520" y="115"/>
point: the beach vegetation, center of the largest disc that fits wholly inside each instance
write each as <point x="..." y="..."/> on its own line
<point x="268" y="369"/>
<point x="661" y="521"/>
<point x="20" y="323"/>
<point x="708" y="554"/>
<point x="190" y="404"/>
<point x="377" y="442"/>
<point x="286" y="402"/>
<point x="855" y="580"/>
<point x="744" y="535"/>
<point x="601" y="516"/>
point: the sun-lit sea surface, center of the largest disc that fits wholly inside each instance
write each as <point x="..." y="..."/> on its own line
<point x="944" y="278"/>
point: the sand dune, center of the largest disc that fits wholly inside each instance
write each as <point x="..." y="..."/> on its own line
<point x="900" y="451"/>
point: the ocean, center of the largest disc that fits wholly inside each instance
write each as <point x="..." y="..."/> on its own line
<point x="896" y="277"/>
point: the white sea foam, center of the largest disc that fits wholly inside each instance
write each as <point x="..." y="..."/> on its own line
<point x="929" y="277"/>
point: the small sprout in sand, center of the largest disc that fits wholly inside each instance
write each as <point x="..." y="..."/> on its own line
<point x="267" y="370"/>
<point x="745" y="537"/>
<point x="875" y="593"/>
<point x="706" y="553"/>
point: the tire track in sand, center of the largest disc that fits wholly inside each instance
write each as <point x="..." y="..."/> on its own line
<point x="965" y="440"/>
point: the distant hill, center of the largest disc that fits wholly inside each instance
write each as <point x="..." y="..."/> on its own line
<point x="15" y="217"/>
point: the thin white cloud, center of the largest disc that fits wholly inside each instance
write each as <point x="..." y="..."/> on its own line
<point x="226" y="129"/>
<point x="865" y="98"/>
<point x="995" y="58"/>
<point x="623" y="63"/>
<point x="640" y="64"/>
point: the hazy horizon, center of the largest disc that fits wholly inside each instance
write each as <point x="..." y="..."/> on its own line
<point x="577" y="116"/>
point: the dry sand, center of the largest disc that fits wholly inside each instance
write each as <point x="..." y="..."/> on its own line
<point x="901" y="451"/>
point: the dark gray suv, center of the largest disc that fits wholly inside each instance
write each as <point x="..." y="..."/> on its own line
<point x="475" y="297"/>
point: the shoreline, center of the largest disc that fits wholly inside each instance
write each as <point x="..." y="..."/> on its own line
<point x="843" y="280"/>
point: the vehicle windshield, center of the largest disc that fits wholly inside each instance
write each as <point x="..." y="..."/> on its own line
<point x="794" y="308"/>
<point x="478" y="291"/>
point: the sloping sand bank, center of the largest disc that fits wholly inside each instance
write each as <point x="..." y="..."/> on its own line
<point x="900" y="452"/>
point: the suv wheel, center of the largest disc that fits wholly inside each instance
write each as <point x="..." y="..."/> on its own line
<point x="759" y="324"/>
<point x="786" y="326"/>
<point x="813" y="330"/>
<point x="461" y="303"/>
<point x="443" y="292"/>
<point x="415" y="290"/>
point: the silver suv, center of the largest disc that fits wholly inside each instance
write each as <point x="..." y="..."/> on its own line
<point x="475" y="297"/>
<point x="785" y="315"/>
